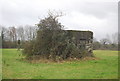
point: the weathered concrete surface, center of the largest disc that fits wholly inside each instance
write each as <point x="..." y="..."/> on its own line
<point x="84" y="40"/>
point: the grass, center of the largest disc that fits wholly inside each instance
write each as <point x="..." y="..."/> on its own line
<point x="104" y="68"/>
<point x="0" y="64"/>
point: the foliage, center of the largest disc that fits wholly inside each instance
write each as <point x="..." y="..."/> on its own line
<point x="52" y="42"/>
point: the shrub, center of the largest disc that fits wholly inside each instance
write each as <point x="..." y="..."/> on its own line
<point x="52" y="42"/>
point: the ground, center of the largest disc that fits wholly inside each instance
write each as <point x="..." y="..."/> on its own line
<point x="105" y="67"/>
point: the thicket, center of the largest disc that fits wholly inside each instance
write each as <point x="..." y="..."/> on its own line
<point x="52" y="42"/>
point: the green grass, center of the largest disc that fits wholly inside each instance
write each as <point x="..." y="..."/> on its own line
<point x="0" y="64"/>
<point x="104" y="68"/>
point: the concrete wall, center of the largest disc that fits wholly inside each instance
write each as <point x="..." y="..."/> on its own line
<point x="83" y="40"/>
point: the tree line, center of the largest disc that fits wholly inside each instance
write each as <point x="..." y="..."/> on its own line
<point x="11" y="35"/>
<point x="110" y="42"/>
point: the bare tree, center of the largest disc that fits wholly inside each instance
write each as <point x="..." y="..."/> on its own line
<point x="30" y="32"/>
<point x="12" y="33"/>
<point x="20" y="33"/>
<point x="115" y="38"/>
<point x="4" y="33"/>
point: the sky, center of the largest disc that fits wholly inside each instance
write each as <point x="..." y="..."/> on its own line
<point x="99" y="16"/>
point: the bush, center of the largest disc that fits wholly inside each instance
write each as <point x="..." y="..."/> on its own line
<point x="52" y="42"/>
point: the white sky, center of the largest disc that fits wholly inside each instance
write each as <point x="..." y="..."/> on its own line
<point x="99" y="16"/>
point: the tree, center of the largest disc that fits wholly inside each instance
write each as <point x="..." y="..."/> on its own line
<point x="30" y="32"/>
<point x="3" y="36"/>
<point x="49" y="37"/>
<point x="12" y="33"/>
<point x="115" y="38"/>
<point x="20" y="33"/>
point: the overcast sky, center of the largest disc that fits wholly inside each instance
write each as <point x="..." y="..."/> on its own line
<point x="99" y="16"/>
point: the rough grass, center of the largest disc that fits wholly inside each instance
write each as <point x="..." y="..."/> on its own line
<point x="0" y="64"/>
<point x="106" y="67"/>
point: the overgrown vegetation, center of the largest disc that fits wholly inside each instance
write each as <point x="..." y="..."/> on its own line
<point x="52" y="42"/>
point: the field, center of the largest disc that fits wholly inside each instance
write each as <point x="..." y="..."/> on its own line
<point x="106" y="67"/>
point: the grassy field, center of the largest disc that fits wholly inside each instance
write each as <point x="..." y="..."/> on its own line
<point x="0" y="64"/>
<point x="106" y="67"/>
